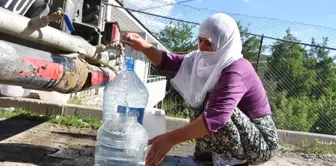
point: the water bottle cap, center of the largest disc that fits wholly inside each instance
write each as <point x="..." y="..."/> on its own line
<point x="129" y="63"/>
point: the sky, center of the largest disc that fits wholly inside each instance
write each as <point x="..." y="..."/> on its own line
<point x="305" y="18"/>
<point x="316" y="12"/>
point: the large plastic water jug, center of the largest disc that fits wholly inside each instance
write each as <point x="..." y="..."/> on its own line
<point x="54" y="97"/>
<point x="155" y="122"/>
<point x="121" y="141"/>
<point x="126" y="94"/>
<point x="14" y="91"/>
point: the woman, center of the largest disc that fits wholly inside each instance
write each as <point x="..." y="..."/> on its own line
<point x="231" y="117"/>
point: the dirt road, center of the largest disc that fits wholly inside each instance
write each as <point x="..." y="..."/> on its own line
<point x="24" y="142"/>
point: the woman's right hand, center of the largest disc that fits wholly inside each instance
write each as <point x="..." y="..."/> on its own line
<point x="139" y="43"/>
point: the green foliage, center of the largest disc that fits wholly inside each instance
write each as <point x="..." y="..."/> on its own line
<point x="178" y="37"/>
<point x="251" y="45"/>
<point x="305" y="78"/>
<point x="175" y="106"/>
<point x="326" y="116"/>
<point x="297" y="114"/>
<point x="317" y="147"/>
<point x="73" y="120"/>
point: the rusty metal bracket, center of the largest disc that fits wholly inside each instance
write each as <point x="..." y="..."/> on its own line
<point x="115" y="54"/>
<point x="117" y="45"/>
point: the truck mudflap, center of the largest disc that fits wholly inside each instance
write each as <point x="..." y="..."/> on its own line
<point x="61" y="73"/>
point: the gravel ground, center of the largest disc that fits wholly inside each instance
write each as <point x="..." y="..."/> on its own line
<point x="93" y="100"/>
<point x="24" y="142"/>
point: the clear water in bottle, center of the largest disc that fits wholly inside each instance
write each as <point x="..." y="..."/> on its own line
<point x="121" y="141"/>
<point x="127" y="94"/>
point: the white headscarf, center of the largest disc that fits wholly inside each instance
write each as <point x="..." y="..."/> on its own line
<point x="201" y="70"/>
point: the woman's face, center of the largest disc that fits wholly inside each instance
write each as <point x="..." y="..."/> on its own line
<point x="204" y="44"/>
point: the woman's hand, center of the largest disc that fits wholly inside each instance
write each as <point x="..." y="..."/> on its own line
<point x="160" y="147"/>
<point x="139" y="43"/>
<point x="163" y="143"/>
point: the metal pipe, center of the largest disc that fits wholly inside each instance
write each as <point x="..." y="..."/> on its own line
<point x="259" y="52"/>
<point x="17" y="25"/>
<point x="64" y="74"/>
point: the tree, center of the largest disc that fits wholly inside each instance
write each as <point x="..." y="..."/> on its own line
<point x="324" y="66"/>
<point x="287" y="67"/>
<point x="251" y="45"/>
<point x="178" y="37"/>
<point x="304" y="85"/>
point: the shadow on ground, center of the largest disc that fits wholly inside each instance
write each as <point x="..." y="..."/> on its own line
<point x="182" y="161"/>
<point x="76" y="135"/>
<point x="46" y="156"/>
<point x="25" y="153"/>
<point x="15" y="125"/>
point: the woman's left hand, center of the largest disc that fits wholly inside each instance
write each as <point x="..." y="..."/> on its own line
<point x="160" y="147"/>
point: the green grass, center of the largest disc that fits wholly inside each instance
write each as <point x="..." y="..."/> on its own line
<point x="22" y="114"/>
<point x="77" y="121"/>
<point x="317" y="148"/>
<point x="176" y="109"/>
<point x="74" y="120"/>
<point x="305" y="147"/>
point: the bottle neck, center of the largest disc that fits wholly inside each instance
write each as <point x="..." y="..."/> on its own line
<point x="129" y="62"/>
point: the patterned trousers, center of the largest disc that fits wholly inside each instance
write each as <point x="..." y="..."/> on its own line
<point x="241" y="140"/>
